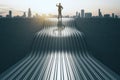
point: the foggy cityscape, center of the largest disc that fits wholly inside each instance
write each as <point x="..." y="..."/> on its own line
<point x="81" y="14"/>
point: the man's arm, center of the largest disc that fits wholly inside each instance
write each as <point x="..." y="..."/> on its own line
<point x="61" y="7"/>
<point x="56" y="5"/>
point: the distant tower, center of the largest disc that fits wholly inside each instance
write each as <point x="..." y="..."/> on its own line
<point x="99" y="13"/>
<point x="79" y="15"/>
<point x="82" y="13"/>
<point x="29" y="13"/>
<point x="10" y="14"/>
<point x="113" y="15"/>
<point x="24" y="15"/>
<point x="76" y="14"/>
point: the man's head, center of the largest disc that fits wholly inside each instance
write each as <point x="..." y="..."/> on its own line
<point x="59" y="3"/>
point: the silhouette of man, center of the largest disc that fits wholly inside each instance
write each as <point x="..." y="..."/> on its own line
<point x="59" y="10"/>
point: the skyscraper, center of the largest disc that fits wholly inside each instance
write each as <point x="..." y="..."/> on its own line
<point x="29" y="13"/>
<point x="24" y="15"/>
<point x="99" y="13"/>
<point x="113" y="15"/>
<point x="82" y="13"/>
<point x="77" y="14"/>
<point x="10" y="14"/>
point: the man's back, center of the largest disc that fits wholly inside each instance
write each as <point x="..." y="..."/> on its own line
<point x="59" y="10"/>
<point x="59" y="6"/>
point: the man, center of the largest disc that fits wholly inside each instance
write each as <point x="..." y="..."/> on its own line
<point x="59" y="10"/>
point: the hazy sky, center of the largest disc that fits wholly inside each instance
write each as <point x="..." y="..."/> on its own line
<point x="70" y="6"/>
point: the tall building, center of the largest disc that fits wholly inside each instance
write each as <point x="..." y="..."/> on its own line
<point x="10" y="14"/>
<point x="113" y="15"/>
<point x="88" y="15"/>
<point x="24" y="15"/>
<point x="79" y="15"/>
<point x="99" y="13"/>
<point x="29" y="13"/>
<point x="76" y="14"/>
<point x="82" y="13"/>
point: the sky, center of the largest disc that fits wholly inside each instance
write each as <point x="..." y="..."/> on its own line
<point x="49" y="6"/>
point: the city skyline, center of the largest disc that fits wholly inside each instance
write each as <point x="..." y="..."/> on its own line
<point x="70" y="7"/>
<point x="81" y="14"/>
